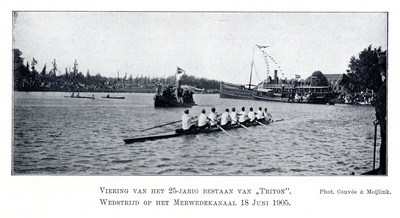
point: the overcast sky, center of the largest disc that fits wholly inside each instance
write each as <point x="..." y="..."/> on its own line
<point x="205" y="44"/>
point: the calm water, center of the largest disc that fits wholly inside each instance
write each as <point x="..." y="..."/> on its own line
<point x="54" y="135"/>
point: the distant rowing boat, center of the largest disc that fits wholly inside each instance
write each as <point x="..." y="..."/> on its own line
<point x="180" y="132"/>
<point x="80" y="97"/>
<point x="113" y="97"/>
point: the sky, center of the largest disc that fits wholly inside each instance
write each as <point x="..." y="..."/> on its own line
<point x="213" y="45"/>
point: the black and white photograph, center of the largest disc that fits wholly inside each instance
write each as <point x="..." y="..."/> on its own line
<point x="199" y="93"/>
<point x="241" y="109"/>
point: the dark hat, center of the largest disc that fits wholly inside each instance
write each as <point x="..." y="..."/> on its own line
<point x="186" y="111"/>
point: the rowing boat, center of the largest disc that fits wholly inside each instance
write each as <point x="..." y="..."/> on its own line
<point x="79" y="97"/>
<point x="180" y="132"/>
<point x="113" y="97"/>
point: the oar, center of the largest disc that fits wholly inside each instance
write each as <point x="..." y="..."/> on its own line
<point x="243" y="126"/>
<point x="223" y="130"/>
<point x="260" y="123"/>
<point x="170" y="123"/>
<point x="277" y="120"/>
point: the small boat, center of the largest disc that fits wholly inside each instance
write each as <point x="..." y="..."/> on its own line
<point x="112" y="97"/>
<point x="162" y="101"/>
<point x="80" y="97"/>
<point x="180" y="132"/>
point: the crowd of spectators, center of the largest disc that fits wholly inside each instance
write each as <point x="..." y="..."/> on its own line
<point x="358" y="97"/>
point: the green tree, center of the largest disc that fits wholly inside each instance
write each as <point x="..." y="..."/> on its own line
<point x="363" y="70"/>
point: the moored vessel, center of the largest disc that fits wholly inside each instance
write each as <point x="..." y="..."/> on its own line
<point x="293" y="92"/>
<point x="240" y="91"/>
<point x="173" y="96"/>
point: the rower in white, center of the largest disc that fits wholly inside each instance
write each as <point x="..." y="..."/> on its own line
<point x="186" y="121"/>
<point x="243" y="116"/>
<point x="213" y="117"/>
<point x="251" y="115"/>
<point x="225" y="119"/>
<point x="202" y="122"/>
<point x="233" y="116"/>
<point x="260" y="114"/>
<point x="267" y="116"/>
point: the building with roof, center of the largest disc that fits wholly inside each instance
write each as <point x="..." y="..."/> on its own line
<point x="339" y="82"/>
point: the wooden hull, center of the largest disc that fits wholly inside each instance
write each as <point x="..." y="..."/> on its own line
<point x="235" y="91"/>
<point x="180" y="132"/>
<point x="160" y="101"/>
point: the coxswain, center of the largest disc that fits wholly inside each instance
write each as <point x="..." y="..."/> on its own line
<point x="77" y="95"/>
<point x="259" y="114"/>
<point x="202" y="123"/>
<point x="243" y="116"/>
<point x="213" y="117"/>
<point x="267" y="116"/>
<point x="72" y="95"/>
<point x="225" y="119"/>
<point x="186" y="121"/>
<point x="233" y="116"/>
<point x="251" y="115"/>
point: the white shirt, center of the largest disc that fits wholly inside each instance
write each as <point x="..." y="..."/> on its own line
<point x="260" y="115"/>
<point x="224" y="118"/>
<point x="202" y="120"/>
<point x="252" y="115"/>
<point x="267" y="116"/>
<point x="186" y="121"/>
<point x="233" y="117"/>
<point x="242" y="116"/>
<point x="213" y="117"/>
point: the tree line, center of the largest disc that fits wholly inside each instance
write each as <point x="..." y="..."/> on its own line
<point x="28" y="78"/>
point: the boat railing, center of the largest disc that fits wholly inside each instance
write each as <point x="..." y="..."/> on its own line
<point x="275" y="85"/>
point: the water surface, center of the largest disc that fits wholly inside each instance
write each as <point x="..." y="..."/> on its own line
<point x="54" y="135"/>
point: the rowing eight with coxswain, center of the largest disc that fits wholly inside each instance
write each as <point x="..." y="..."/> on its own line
<point x="207" y="128"/>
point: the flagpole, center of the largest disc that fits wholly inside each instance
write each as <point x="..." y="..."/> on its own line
<point x="175" y="75"/>
<point x="251" y="67"/>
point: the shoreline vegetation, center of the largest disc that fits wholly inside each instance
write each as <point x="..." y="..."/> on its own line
<point x="28" y="78"/>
